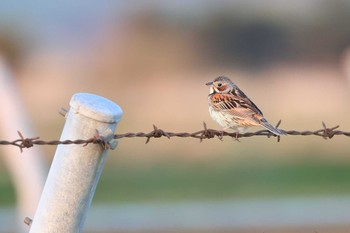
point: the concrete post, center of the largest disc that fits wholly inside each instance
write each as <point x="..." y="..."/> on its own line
<point x="76" y="169"/>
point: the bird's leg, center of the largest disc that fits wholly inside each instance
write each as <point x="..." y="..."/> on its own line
<point x="239" y="131"/>
<point x="237" y="136"/>
<point x="221" y="135"/>
<point x="222" y="132"/>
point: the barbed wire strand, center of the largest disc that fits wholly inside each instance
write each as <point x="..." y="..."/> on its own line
<point x="325" y="132"/>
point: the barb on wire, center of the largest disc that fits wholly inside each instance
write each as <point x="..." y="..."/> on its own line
<point x="22" y="142"/>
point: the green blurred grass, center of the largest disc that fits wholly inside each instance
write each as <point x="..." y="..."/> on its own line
<point x="7" y="192"/>
<point x="173" y="181"/>
<point x="189" y="181"/>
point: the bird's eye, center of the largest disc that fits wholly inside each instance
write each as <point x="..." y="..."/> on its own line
<point x="219" y="84"/>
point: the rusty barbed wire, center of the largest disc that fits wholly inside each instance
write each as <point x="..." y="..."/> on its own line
<point x="325" y="132"/>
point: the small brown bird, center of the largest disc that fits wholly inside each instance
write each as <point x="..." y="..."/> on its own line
<point x="231" y="108"/>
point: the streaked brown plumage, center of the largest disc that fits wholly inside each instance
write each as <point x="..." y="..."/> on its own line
<point x="231" y="108"/>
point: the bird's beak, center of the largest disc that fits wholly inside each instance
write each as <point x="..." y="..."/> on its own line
<point x="209" y="84"/>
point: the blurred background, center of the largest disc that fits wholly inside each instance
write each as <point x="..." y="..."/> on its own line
<point x="153" y="58"/>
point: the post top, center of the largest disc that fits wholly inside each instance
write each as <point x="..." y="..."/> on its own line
<point x="96" y="107"/>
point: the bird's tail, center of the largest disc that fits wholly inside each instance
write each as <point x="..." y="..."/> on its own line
<point x="271" y="128"/>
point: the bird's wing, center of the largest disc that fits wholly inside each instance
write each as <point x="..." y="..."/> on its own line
<point x="238" y="106"/>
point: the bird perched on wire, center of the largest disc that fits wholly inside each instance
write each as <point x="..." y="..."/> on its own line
<point x="232" y="109"/>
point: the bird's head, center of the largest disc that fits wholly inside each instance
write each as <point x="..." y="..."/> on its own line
<point x="220" y="85"/>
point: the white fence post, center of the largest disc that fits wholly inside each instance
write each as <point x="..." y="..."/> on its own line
<point x="76" y="169"/>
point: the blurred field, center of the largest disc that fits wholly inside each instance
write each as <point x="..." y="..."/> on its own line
<point x="301" y="96"/>
<point x="245" y="178"/>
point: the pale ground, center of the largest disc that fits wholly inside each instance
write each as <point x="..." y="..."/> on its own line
<point x="301" y="95"/>
<point x="302" y="215"/>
